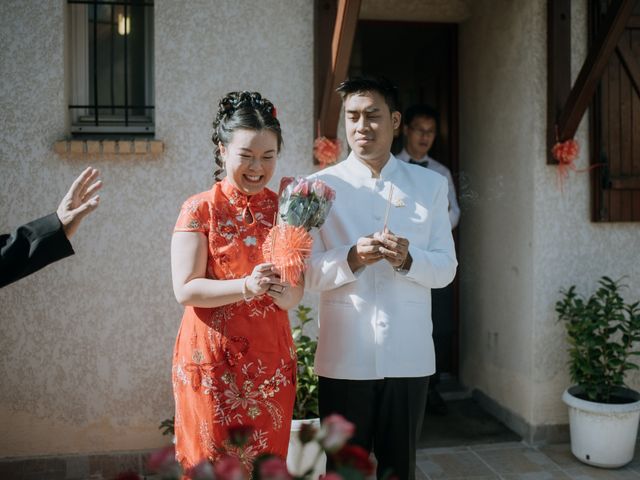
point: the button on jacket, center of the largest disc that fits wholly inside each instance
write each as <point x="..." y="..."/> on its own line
<point x="376" y="322"/>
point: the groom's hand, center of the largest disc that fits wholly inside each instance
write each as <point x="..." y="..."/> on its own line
<point x="395" y="249"/>
<point x="365" y="252"/>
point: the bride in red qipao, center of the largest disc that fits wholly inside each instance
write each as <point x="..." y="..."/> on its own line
<point x="234" y="360"/>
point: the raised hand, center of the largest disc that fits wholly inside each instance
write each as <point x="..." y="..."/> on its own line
<point x="78" y="202"/>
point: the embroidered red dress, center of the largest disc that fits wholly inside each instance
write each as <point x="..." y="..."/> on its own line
<point x="233" y="364"/>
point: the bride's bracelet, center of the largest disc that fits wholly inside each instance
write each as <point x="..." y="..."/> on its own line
<point x="245" y="295"/>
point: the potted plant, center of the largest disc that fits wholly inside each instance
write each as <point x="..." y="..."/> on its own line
<point x="305" y="411"/>
<point x="603" y="412"/>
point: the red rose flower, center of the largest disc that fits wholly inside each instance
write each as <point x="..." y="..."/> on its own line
<point x="202" y="471"/>
<point x="356" y="457"/>
<point x="335" y="432"/>
<point x="302" y="187"/>
<point x="284" y="183"/>
<point x="228" y="468"/>
<point x="163" y="459"/>
<point x="273" y="468"/>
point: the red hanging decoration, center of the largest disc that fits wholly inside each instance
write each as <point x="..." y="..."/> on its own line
<point x="326" y="150"/>
<point x="565" y="153"/>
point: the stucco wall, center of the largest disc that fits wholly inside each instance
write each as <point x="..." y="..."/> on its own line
<point x="497" y="140"/>
<point x="86" y="343"/>
<point x="571" y="250"/>
<point x="521" y="238"/>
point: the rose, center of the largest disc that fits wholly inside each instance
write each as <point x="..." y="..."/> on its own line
<point x="323" y="190"/>
<point x="163" y="459"/>
<point x="202" y="471"/>
<point x="284" y="183"/>
<point x="273" y="468"/>
<point x="355" y="457"/>
<point x="335" y="432"/>
<point x="329" y="193"/>
<point x="228" y="468"/>
<point x="319" y="188"/>
<point x="302" y="188"/>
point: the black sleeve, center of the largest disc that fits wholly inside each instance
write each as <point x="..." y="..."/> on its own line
<point x="31" y="247"/>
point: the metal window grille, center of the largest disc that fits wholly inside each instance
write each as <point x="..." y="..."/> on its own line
<point x="112" y="66"/>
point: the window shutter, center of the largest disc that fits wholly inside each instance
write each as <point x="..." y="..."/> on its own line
<point x="615" y="126"/>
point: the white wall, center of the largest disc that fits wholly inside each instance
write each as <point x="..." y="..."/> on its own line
<point x="522" y="240"/>
<point x="498" y="126"/>
<point x="86" y="344"/>
<point x="571" y="250"/>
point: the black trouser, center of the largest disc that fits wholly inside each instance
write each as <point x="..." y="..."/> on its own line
<point x="388" y="415"/>
<point x="442" y="318"/>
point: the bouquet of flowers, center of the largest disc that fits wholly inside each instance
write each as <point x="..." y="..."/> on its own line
<point x="351" y="462"/>
<point x="303" y="205"/>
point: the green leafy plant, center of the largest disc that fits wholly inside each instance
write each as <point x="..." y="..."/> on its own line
<point x="306" y="405"/>
<point x="167" y="426"/>
<point x="602" y="330"/>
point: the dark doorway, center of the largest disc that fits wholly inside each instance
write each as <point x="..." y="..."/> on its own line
<point x="421" y="59"/>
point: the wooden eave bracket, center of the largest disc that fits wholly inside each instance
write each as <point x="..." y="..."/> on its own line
<point x="577" y="101"/>
<point x="341" y="45"/>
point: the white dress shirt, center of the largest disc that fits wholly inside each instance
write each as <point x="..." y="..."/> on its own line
<point x="431" y="164"/>
<point x="376" y="322"/>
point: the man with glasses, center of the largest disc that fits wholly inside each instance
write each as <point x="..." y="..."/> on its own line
<point x="420" y="131"/>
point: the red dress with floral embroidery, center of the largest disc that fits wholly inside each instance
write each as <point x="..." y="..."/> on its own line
<point x="233" y="364"/>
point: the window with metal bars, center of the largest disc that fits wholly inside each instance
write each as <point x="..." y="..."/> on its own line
<point x="111" y="60"/>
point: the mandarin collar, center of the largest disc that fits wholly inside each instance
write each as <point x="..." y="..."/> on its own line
<point x="363" y="171"/>
<point x="237" y="196"/>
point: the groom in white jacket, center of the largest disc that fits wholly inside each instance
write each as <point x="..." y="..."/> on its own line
<point x="385" y="244"/>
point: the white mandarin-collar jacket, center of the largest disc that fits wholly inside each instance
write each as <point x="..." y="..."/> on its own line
<point x="376" y="323"/>
<point x="431" y="164"/>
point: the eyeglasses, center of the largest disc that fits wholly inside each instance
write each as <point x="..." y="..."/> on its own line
<point x="421" y="132"/>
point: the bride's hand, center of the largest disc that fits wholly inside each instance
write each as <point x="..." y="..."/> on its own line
<point x="260" y="280"/>
<point x="277" y="288"/>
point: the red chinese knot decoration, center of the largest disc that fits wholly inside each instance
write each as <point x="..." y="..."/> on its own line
<point x="565" y="154"/>
<point x="326" y="150"/>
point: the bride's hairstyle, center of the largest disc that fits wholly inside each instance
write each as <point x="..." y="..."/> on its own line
<point x="242" y="110"/>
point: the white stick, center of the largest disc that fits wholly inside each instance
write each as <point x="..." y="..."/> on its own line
<point x="386" y="215"/>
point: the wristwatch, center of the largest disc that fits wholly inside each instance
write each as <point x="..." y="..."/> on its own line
<point x="403" y="267"/>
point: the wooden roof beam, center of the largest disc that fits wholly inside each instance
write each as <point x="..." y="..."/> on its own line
<point x="341" y="45"/>
<point x="597" y="59"/>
